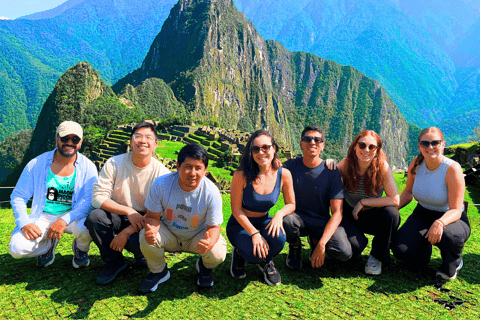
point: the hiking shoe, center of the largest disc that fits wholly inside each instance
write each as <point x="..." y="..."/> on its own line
<point x="150" y="284"/>
<point x="47" y="258"/>
<point x="80" y="258"/>
<point x="270" y="274"/>
<point x="111" y="270"/>
<point x="237" y="266"/>
<point x="373" y="266"/>
<point x="205" y="277"/>
<point x="442" y="278"/>
<point x="294" y="258"/>
<point x="312" y="241"/>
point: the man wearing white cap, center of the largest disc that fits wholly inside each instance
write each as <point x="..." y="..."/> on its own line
<point x="60" y="182"/>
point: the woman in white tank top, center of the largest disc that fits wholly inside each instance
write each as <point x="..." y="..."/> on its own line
<point x="437" y="183"/>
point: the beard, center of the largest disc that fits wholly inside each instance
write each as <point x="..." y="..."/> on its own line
<point x="67" y="155"/>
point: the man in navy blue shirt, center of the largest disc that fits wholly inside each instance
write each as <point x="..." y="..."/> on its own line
<point x="317" y="189"/>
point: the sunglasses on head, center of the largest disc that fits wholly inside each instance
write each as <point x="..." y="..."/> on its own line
<point x="74" y="139"/>
<point x="370" y="147"/>
<point x="309" y="139"/>
<point x="425" y="144"/>
<point x="265" y="148"/>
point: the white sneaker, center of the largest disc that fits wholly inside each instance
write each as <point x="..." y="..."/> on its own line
<point x="373" y="266"/>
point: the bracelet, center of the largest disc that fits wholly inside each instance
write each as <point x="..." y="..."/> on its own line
<point x="254" y="233"/>
<point x="440" y="222"/>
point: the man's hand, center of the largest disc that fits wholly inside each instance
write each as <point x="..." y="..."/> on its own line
<point x="204" y="245"/>
<point x="55" y="231"/>
<point x="136" y="219"/>
<point x="31" y="231"/>
<point x="318" y="256"/>
<point x="152" y="226"/>
<point x="118" y="243"/>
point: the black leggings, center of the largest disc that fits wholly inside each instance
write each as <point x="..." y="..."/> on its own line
<point x="413" y="248"/>
<point x="382" y="222"/>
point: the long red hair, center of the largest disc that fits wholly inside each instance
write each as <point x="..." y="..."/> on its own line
<point x="373" y="177"/>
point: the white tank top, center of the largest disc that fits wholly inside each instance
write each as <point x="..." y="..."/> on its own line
<point x="430" y="188"/>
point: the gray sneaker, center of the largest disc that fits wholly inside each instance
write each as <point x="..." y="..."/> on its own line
<point x="373" y="266"/>
<point x="80" y="258"/>
<point x="270" y="274"/>
<point x="47" y="258"/>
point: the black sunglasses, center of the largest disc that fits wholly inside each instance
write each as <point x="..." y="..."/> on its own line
<point x="370" y="147"/>
<point x="425" y="144"/>
<point x="309" y="139"/>
<point x="265" y="148"/>
<point x="75" y="140"/>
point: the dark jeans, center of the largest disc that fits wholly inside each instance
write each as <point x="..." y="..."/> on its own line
<point x="412" y="246"/>
<point x="381" y="222"/>
<point x="240" y="238"/>
<point x="297" y="226"/>
<point x="103" y="226"/>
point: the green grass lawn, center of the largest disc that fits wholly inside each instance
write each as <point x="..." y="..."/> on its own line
<point x="337" y="290"/>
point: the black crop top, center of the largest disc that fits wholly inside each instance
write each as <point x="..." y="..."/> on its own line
<point x="256" y="202"/>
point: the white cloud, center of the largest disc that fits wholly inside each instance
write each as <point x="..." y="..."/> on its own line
<point x="4" y="18"/>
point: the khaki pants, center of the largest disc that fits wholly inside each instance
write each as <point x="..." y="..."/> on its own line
<point x="167" y="241"/>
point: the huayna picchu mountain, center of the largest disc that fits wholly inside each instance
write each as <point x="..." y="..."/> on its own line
<point x="216" y="62"/>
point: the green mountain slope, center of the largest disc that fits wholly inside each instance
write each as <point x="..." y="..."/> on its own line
<point x="217" y="63"/>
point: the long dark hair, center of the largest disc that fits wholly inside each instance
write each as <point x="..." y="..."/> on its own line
<point x="419" y="158"/>
<point x="373" y="177"/>
<point x="247" y="163"/>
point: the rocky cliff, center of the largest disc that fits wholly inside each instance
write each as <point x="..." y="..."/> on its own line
<point x="225" y="72"/>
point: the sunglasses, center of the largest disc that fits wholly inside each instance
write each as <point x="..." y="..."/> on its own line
<point x="425" y="144"/>
<point x="75" y="140"/>
<point x="265" y="148"/>
<point x="309" y="139"/>
<point x="370" y="147"/>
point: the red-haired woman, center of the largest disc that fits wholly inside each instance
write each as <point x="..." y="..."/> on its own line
<point x="439" y="219"/>
<point x="366" y="175"/>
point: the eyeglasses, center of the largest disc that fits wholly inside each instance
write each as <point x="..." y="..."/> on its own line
<point x="138" y="136"/>
<point x="370" y="147"/>
<point x="309" y="139"/>
<point x="425" y="144"/>
<point x="75" y="139"/>
<point x="265" y="148"/>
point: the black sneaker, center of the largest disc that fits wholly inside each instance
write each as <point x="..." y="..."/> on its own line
<point x="111" y="270"/>
<point x="47" y="258"/>
<point x="141" y="263"/>
<point x="294" y="258"/>
<point x="271" y="275"/>
<point x="312" y="241"/>
<point x="205" y="277"/>
<point x="80" y="258"/>
<point x="237" y="267"/>
<point x="150" y="284"/>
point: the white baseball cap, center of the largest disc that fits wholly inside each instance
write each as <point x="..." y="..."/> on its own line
<point x="69" y="127"/>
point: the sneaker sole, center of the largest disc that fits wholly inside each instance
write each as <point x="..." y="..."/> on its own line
<point x="266" y="280"/>
<point x="155" y="287"/>
<point x="114" y="276"/>
<point x="51" y="261"/>
<point x="231" y="269"/>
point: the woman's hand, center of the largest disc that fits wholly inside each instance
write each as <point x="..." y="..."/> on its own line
<point x="434" y="234"/>
<point x="274" y="226"/>
<point x="118" y="243"/>
<point x="359" y="207"/>
<point x="260" y="246"/>
<point x="331" y="164"/>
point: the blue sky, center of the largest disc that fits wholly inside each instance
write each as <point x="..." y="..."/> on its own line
<point x="16" y="8"/>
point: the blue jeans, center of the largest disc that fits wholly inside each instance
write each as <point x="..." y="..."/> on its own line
<point x="240" y="238"/>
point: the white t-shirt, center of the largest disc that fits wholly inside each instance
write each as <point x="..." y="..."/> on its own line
<point x="185" y="213"/>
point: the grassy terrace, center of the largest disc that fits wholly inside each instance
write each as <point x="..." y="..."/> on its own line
<point x="337" y="290"/>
